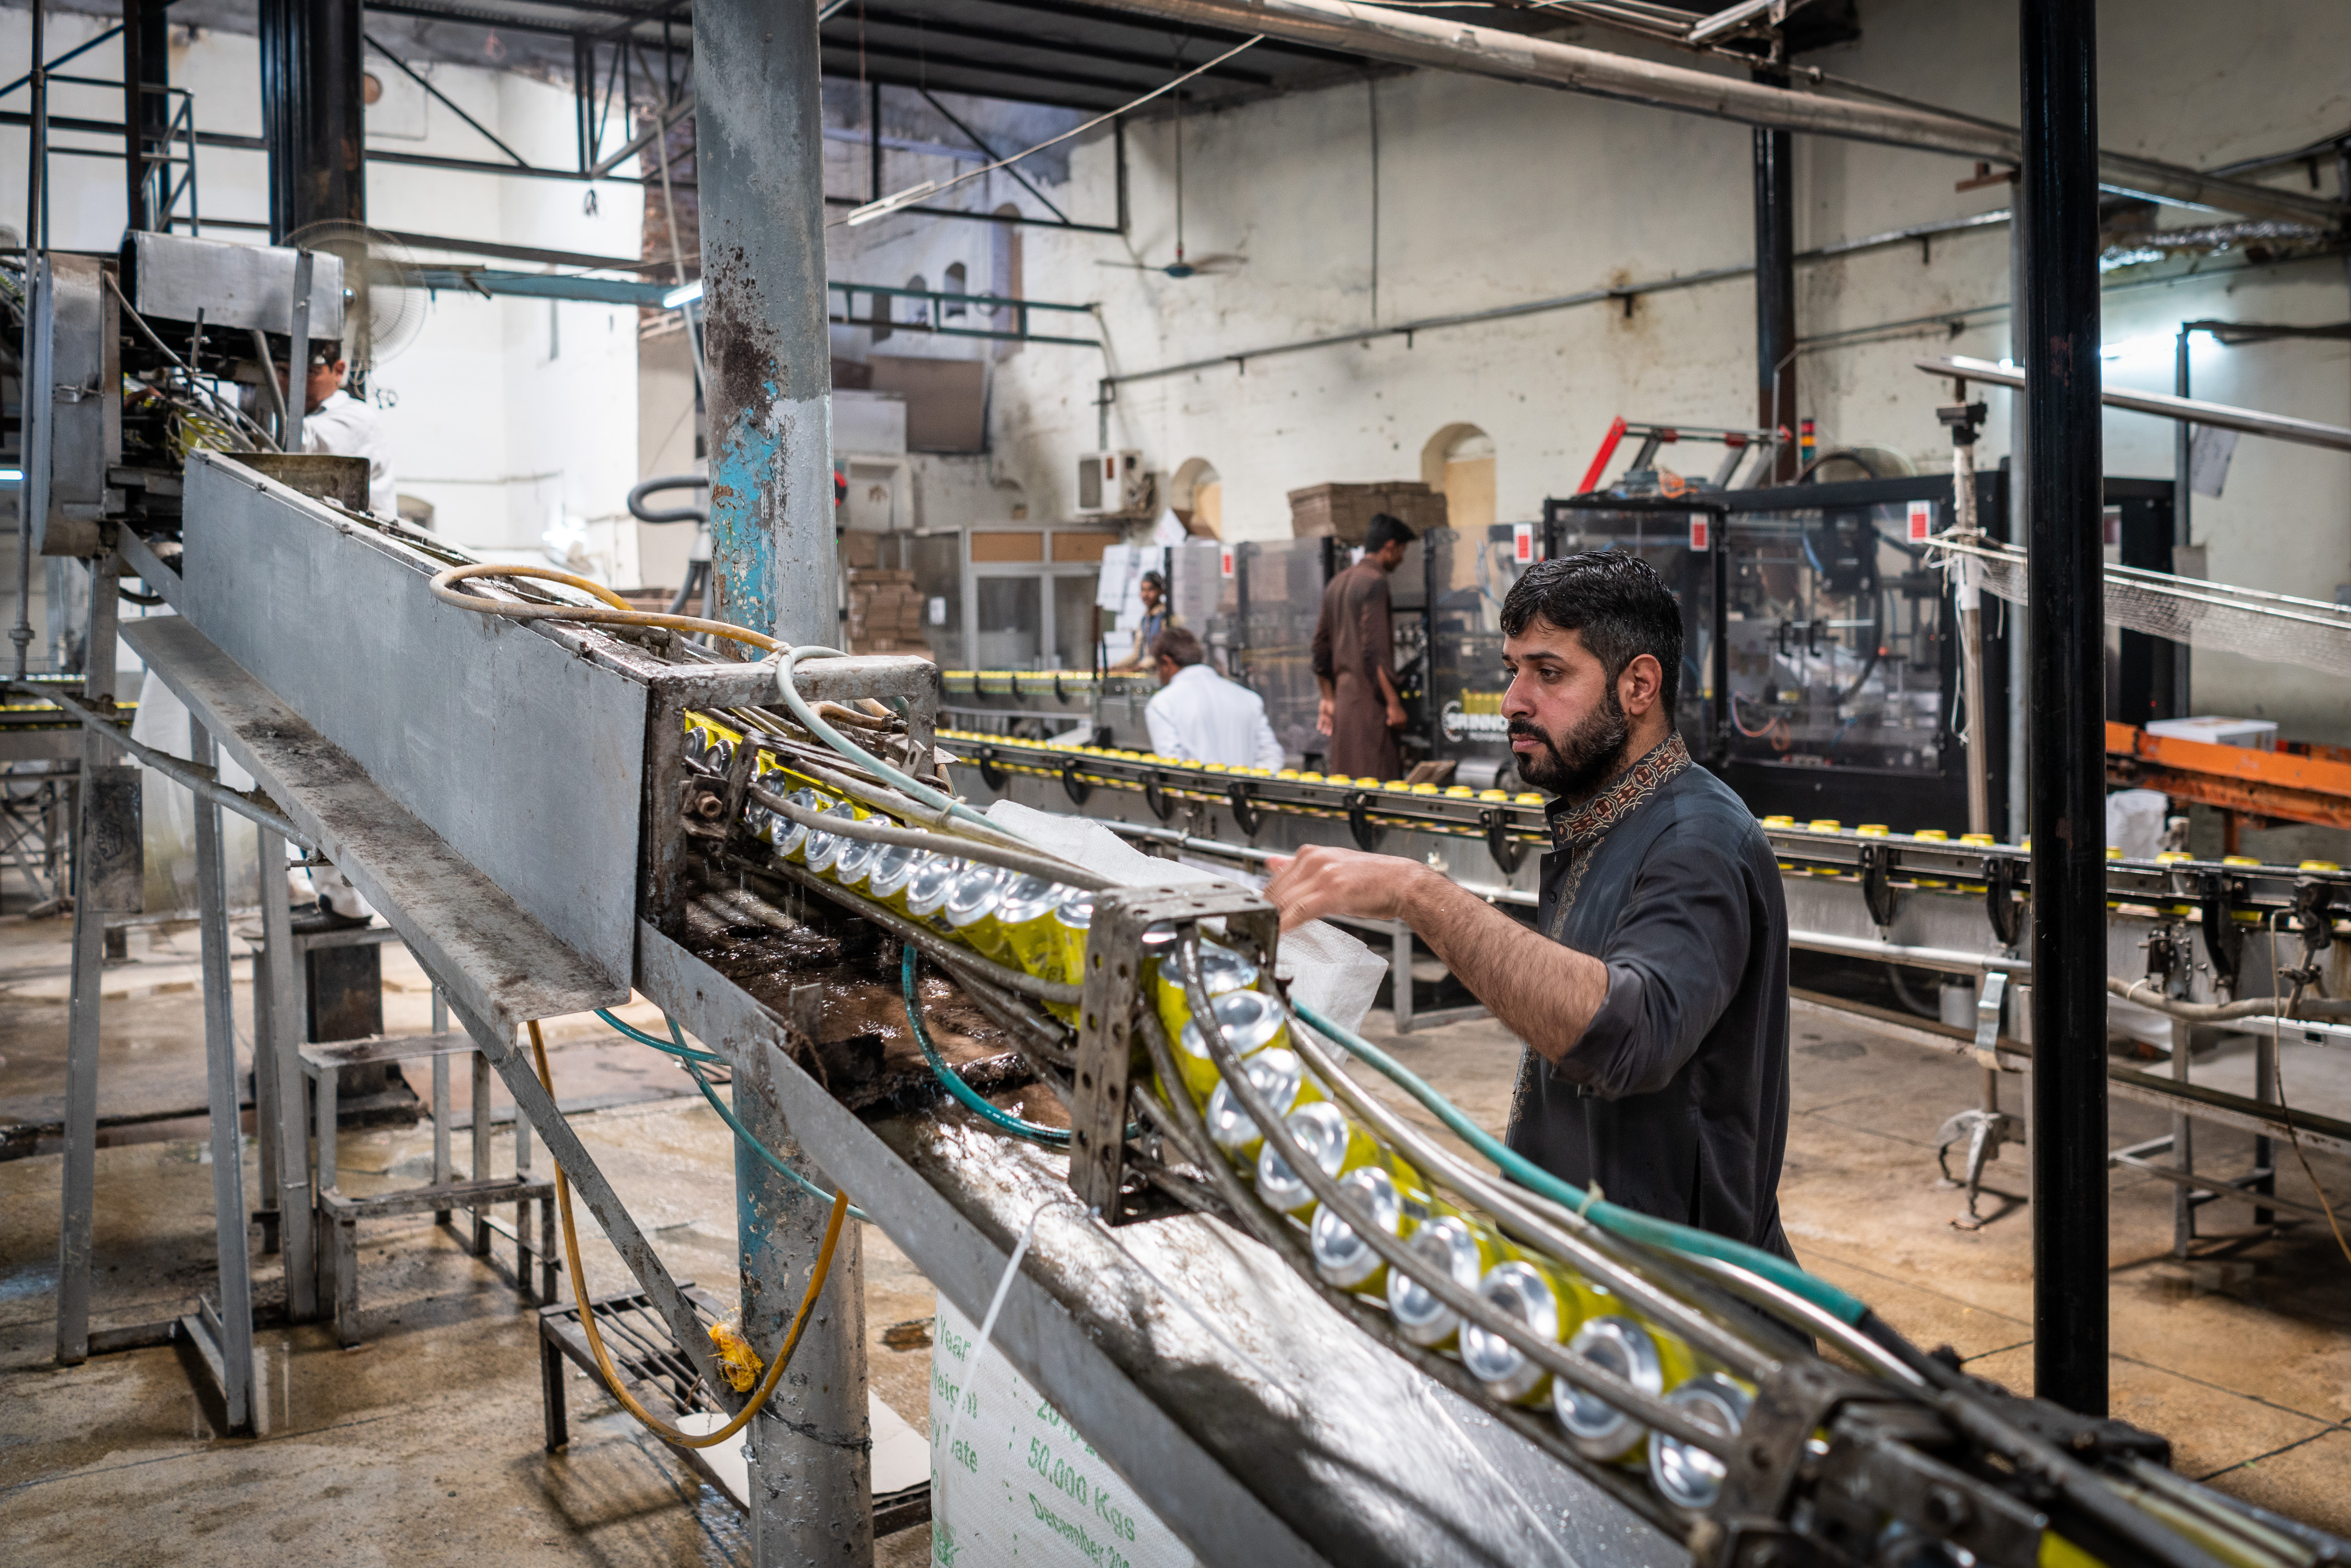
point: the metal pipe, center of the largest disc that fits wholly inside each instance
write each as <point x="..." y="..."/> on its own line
<point x="2220" y="415"/>
<point x="33" y="423"/>
<point x="1951" y="960"/>
<point x="2182" y="488"/>
<point x="2060" y="190"/>
<point x="1413" y="39"/>
<point x="1775" y="293"/>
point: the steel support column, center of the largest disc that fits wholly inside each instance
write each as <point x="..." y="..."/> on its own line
<point x="760" y="165"/>
<point x="2063" y="493"/>
<point x="811" y="1445"/>
<point x="146" y="115"/>
<point x="312" y="113"/>
<point x="79" y="1177"/>
<point x="769" y="350"/>
<point x="1775" y="293"/>
<point x="234" y="1291"/>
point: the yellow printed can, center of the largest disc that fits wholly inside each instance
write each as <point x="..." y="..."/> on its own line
<point x="970" y="910"/>
<point x="1396" y="1206"/>
<point x="1025" y="919"/>
<point x="821" y="850"/>
<point x="1550" y="1302"/>
<point x="1464" y="1250"/>
<point x="928" y="886"/>
<point x="1274" y="1071"/>
<point x="1222" y="970"/>
<point x="893" y="867"/>
<point x="1690" y="1478"/>
<point x="1252" y="1022"/>
<point x="1649" y="1358"/>
<point x="1324" y="1135"/>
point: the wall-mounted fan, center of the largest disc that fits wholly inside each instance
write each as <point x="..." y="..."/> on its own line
<point x="384" y="301"/>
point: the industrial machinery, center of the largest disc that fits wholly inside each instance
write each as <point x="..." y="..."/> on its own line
<point x="1410" y="1358"/>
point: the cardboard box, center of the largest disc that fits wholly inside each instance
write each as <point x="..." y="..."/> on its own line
<point x="1347" y="510"/>
<point x="2260" y="734"/>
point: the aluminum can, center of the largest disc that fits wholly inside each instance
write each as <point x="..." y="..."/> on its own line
<point x="1222" y="970"/>
<point x="1540" y="1295"/>
<point x="1324" y="1135"/>
<point x="894" y="866"/>
<point x="790" y="842"/>
<point x="970" y="910"/>
<point x="1274" y="1071"/>
<point x="1026" y="916"/>
<point x="1462" y="1249"/>
<point x="820" y="850"/>
<point x="853" y="861"/>
<point x="1251" y="1021"/>
<point x="1691" y="1478"/>
<point x="1344" y="1258"/>
<point x="1648" y="1359"/>
<point x="928" y="886"/>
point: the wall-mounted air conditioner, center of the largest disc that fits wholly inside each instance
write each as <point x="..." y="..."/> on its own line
<point x="1113" y="485"/>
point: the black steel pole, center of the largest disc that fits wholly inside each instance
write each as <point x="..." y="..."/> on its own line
<point x="1775" y="293"/>
<point x="146" y="115"/>
<point x="312" y="113"/>
<point x="2067" y="704"/>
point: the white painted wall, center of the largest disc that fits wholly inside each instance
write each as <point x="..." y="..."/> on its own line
<point x="513" y="417"/>
<point x="1491" y="194"/>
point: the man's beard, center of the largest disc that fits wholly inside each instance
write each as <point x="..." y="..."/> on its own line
<point x="1577" y="763"/>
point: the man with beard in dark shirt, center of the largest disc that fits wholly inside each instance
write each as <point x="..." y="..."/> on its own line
<point x="1652" y="991"/>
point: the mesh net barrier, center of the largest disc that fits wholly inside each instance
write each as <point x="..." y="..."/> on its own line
<point x="2272" y="626"/>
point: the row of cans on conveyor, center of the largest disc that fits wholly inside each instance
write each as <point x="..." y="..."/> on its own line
<point x="2172" y="882"/>
<point x="1388" y="802"/>
<point x="1040" y="927"/>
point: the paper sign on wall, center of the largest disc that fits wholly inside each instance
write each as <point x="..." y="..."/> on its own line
<point x="1522" y="543"/>
<point x="1922" y="521"/>
<point x="1701" y="532"/>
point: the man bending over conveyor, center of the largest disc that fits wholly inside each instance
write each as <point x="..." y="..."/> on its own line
<point x="1652" y="991"/>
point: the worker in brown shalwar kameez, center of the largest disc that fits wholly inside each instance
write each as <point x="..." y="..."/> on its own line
<point x="1354" y="659"/>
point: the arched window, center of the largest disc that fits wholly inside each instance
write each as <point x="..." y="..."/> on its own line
<point x="953" y="310"/>
<point x="916" y="312"/>
<point x="1195" y="495"/>
<point x="1459" y="461"/>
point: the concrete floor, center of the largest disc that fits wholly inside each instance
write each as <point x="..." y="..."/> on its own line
<point x="424" y="1446"/>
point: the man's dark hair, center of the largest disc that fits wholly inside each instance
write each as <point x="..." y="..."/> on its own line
<point x="325" y="351"/>
<point x="1178" y="643"/>
<point x="1156" y="580"/>
<point x="1619" y="603"/>
<point x="1384" y="531"/>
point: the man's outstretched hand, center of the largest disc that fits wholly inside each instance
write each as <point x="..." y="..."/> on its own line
<point x="1319" y="880"/>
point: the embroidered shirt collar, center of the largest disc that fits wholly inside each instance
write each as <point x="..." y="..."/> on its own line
<point x="1615" y="800"/>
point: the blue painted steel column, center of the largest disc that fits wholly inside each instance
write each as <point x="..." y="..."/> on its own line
<point x="768" y="393"/>
<point x="759" y="160"/>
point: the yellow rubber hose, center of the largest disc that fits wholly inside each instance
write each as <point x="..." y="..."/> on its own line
<point x="655" y="1424"/>
<point x="621" y="613"/>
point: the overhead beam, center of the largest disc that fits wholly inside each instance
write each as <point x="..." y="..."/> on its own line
<point x="1416" y="38"/>
<point x="1158" y="64"/>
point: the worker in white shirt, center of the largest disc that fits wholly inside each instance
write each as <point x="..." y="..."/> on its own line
<point x="336" y="423"/>
<point x="1199" y="715"/>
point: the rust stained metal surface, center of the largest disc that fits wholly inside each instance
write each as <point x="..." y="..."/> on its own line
<point x="1293" y="1439"/>
<point x="495" y="957"/>
<point x="2311" y="785"/>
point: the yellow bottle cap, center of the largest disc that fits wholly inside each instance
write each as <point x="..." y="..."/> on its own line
<point x="1492" y="795"/>
<point x="1933" y="835"/>
<point x="1980" y="839"/>
<point x="1825" y="825"/>
<point x="1528" y="799"/>
<point x="2239" y="860"/>
<point x="2318" y="865"/>
<point x="2114" y="852"/>
<point x="1778" y="821"/>
<point x="1459" y="792"/>
<point x="1871" y="829"/>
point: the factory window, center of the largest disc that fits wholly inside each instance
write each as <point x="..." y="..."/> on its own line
<point x="952" y="309"/>
<point x="1459" y="461"/>
<point x="917" y="312"/>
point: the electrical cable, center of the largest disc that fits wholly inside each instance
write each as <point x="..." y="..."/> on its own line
<point x="680" y="1049"/>
<point x="652" y="1422"/>
<point x="849" y="748"/>
<point x="1625" y="1222"/>
<point x="952" y="1081"/>
<point x="620" y="614"/>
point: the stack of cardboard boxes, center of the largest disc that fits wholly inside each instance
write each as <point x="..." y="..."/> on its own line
<point x="885" y="612"/>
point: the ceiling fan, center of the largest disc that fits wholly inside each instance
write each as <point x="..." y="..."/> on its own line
<point x="1183" y="266"/>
